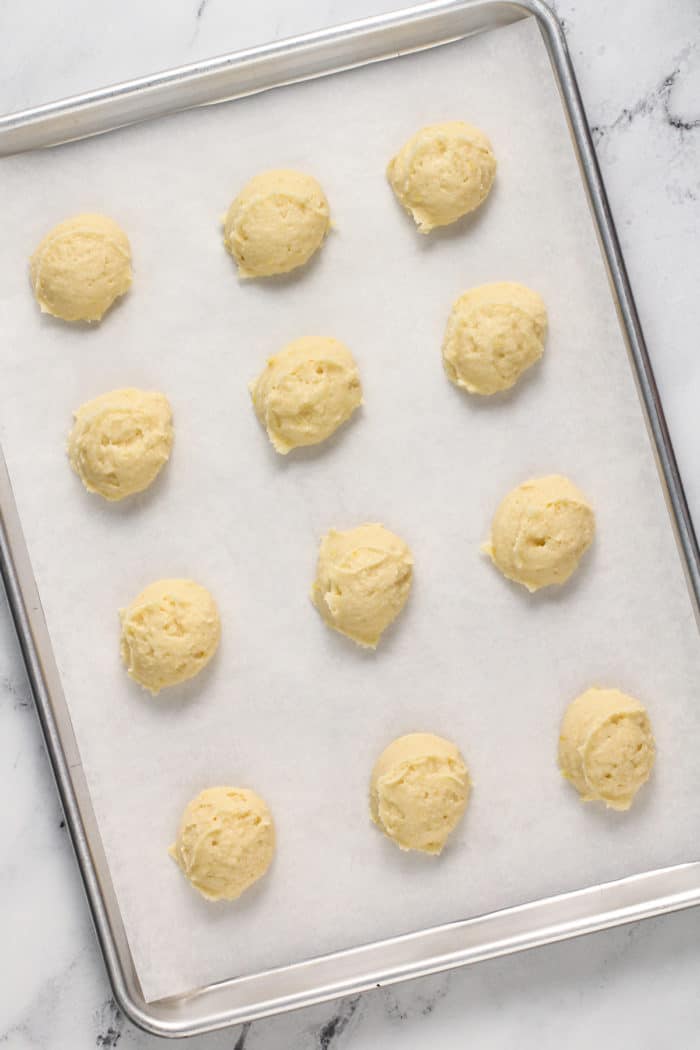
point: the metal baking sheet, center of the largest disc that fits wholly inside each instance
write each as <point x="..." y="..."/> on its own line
<point x="209" y="334"/>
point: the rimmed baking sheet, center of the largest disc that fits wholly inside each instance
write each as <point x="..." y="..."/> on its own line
<point x="287" y="707"/>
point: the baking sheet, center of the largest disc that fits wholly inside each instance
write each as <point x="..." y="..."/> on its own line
<point x="288" y="707"/>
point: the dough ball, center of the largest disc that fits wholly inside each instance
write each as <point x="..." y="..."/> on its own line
<point x="120" y="441"/>
<point x="306" y="391"/>
<point x="276" y="223"/>
<point x="81" y="267"/>
<point x="540" y="532"/>
<point x="169" y="633"/>
<point x="494" y="333"/>
<point x="606" y="747"/>
<point x="225" y="842"/>
<point x="443" y="172"/>
<point x="419" y="791"/>
<point x="363" y="580"/>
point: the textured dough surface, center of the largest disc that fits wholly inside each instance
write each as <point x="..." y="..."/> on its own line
<point x="419" y="791"/>
<point x="306" y="391"/>
<point x="120" y="441"/>
<point x="540" y="532"/>
<point x="169" y="633"/>
<point x="81" y="267"/>
<point x="494" y="333"/>
<point x="276" y="223"/>
<point x="606" y="747"/>
<point x="443" y="172"/>
<point x="363" y="580"/>
<point x="225" y="842"/>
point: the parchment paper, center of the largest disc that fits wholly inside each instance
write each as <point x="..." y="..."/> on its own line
<point x="288" y="707"/>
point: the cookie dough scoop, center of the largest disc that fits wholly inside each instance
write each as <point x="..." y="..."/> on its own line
<point x="419" y="791"/>
<point x="606" y="747"/>
<point x="442" y="173"/>
<point x="81" y="267"/>
<point x="363" y="580"/>
<point x="306" y="392"/>
<point x="495" y="332"/>
<point x="120" y="441"/>
<point x="276" y="223"/>
<point x="169" y="633"/>
<point x="540" y="532"/>
<point x="225" y="842"/>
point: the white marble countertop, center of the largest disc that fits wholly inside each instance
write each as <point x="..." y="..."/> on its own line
<point x="638" y="63"/>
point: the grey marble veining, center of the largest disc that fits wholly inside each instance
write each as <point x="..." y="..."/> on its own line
<point x="638" y="63"/>
<point x="659" y="100"/>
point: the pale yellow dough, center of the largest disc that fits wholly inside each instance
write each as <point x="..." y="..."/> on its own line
<point x="606" y="747"/>
<point x="419" y="791"/>
<point x="306" y="391"/>
<point x="81" y="267"/>
<point x="169" y="633"/>
<point x="225" y="842"/>
<point x="494" y="333"/>
<point x="276" y="223"/>
<point x="540" y="532"/>
<point x="443" y="172"/>
<point x="363" y="580"/>
<point x="120" y="441"/>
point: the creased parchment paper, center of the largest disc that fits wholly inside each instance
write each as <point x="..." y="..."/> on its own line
<point x="288" y="707"/>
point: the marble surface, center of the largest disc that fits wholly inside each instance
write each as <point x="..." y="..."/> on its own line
<point x="638" y="63"/>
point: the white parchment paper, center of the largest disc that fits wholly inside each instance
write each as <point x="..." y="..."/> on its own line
<point x="288" y="707"/>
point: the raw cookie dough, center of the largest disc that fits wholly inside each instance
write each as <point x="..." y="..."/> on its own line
<point x="169" y="633"/>
<point x="419" y="791"/>
<point x="363" y="580"/>
<point x="81" y="267"/>
<point x="443" y="172"/>
<point x="306" y="391"/>
<point x="606" y="747"/>
<point x="540" y="532"/>
<point x="276" y="223"/>
<point x="225" y="842"/>
<point x="494" y="333"/>
<point x="120" y="441"/>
